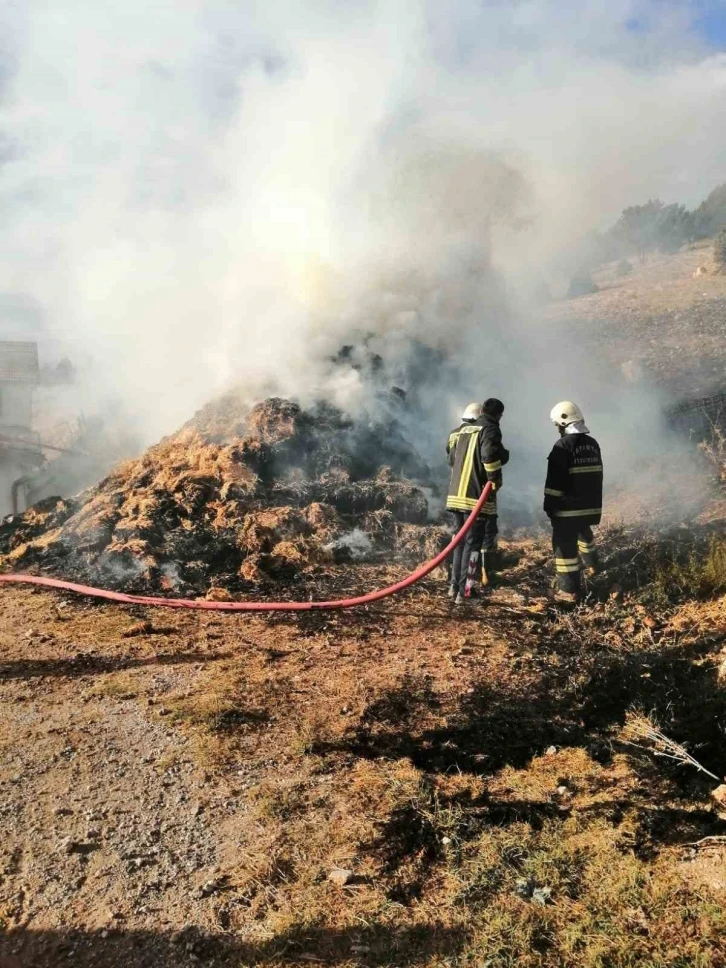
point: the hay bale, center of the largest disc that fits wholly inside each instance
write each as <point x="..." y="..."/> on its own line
<point x="236" y="493"/>
<point x="250" y="570"/>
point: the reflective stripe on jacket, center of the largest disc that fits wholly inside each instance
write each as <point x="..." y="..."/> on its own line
<point x="476" y="455"/>
<point x="573" y="488"/>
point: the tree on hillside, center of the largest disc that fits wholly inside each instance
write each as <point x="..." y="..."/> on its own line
<point x="652" y="227"/>
<point x="634" y="228"/>
<point x="710" y="216"/>
<point x="719" y="249"/>
<point x="674" y="227"/>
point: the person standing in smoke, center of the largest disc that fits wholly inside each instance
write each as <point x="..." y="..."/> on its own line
<point x="573" y="499"/>
<point x="476" y="455"/>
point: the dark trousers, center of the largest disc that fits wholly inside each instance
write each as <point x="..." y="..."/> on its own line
<point x="571" y="541"/>
<point x="482" y="536"/>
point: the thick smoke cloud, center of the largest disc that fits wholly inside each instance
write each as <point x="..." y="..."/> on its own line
<point x="204" y="194"/>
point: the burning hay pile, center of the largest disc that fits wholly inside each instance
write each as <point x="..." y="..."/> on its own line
<point x="234" y="497"/>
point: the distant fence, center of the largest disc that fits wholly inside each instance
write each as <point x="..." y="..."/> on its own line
<point x="698" y="417"/>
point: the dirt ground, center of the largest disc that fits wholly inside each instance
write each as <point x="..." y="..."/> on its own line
<point x="178" y="788"/>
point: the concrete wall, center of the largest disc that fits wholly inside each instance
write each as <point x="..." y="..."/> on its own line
<point x="16" y="413"/>
<point x="9" y="471"/>
<point x="16" y="405"/>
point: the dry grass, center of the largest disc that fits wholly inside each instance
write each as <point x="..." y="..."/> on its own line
<point x="117" y="685"/>
<point x="441" y="878"/>
<point x="217" y="711"/>
<point x="561" y="862"/>
<point x="682" y="573"/>
<point x="470" y="771"/>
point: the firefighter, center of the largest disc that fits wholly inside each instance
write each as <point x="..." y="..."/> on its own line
<point x="476" y="455"/>
<point x="573" y="499"/>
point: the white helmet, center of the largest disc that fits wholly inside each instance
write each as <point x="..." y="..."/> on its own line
<point x="565" y="413"/>
<point x="473" y="411"/>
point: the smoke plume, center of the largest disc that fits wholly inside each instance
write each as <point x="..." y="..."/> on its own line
<point x="209" y="194"/>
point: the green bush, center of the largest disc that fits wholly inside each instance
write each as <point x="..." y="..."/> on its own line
<point x="653" y="227"/>
<point x="624" y="267"/>
<point x="710" y="216"/>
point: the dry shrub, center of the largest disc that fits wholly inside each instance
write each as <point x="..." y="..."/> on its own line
<point x="700" y="572"/>
<point x="715" y="451"/>
<point x="641" y="731"/>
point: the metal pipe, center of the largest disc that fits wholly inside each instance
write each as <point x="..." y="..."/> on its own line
<point x="39" y="445"/>
<point x="20" y="482"/>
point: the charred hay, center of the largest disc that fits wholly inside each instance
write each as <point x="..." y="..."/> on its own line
<point x="236" y="496"/>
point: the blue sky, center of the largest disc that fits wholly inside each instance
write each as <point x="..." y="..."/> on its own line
<point x="707" y="19"/>
<point x="711" y="24"/>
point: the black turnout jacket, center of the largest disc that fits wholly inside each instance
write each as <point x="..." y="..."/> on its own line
<point x="476" y="455"/>
<point x="573" y="489"/>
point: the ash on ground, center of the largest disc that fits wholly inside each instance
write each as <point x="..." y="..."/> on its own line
<point x="236" y="497"/>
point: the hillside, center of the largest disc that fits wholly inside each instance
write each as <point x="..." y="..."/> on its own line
<point x="661" y="323"/>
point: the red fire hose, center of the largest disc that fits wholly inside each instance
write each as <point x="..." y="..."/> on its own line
<point x="421" y="572"/>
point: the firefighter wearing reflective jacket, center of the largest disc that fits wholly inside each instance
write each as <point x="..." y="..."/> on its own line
<point x="476" y="455"/>
<point x="573" y="498"/>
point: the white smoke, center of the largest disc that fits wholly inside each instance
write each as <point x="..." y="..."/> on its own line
<point x="356" y="543"/>
<point x="203" y="194"/>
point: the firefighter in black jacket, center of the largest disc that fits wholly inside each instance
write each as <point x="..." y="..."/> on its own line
<point x="476" y="455"/>
<point x="573" y="498"/>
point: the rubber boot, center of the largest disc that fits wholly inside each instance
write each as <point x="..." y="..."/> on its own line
<point x="568" y="589"/>
<point x="589" y="557"/>
<point x="474" y="578"/>
<point x="496" y="553"/>
<point x="591" y="563"/>
<point x="479" y="574"/>
<point x="566" y="598"/>
<point x="489" y="576"/>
